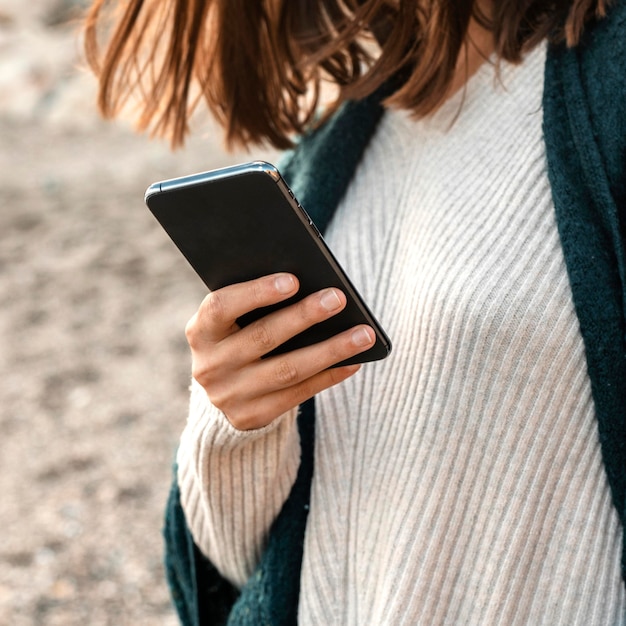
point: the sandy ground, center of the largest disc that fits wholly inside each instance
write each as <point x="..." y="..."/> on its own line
<point x="94" y="367"/>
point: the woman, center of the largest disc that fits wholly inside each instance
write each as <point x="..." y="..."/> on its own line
<point x="462" y="480"/>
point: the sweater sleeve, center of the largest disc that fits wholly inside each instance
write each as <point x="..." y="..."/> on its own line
<point x="233" y="483"/>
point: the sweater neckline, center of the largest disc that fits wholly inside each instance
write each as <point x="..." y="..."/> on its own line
<point x="490" y="77"/>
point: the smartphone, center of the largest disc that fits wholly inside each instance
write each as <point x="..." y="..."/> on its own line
<point x="242" y="222"/>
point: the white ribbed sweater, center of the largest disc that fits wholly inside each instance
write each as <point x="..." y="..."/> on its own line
<point x="460" y="481"/>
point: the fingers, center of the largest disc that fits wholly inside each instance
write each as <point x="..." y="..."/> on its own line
<point x="215" y="319"/>
<point x="271" y="331"/>
<point x="269" y="387"/>
<point x="293" y="368"/>
<point x="226" y="360"/>
<point x="269" y="407"/>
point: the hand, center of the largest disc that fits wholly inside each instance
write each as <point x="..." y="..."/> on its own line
<point x="226" y="359"/>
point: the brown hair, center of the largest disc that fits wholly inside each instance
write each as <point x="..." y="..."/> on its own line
<point x="259" y="64"/>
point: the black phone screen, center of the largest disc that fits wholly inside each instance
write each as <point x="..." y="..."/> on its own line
<point x="243" y="222"/>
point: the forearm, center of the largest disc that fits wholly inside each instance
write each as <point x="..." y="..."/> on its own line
<point x="233" y="483"/>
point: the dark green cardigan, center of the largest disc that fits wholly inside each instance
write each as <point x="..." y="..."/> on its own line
<point x="585" y="134"/>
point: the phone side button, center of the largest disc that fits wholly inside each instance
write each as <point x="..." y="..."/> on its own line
<point x="314" y="227"/>
<point x="306" y="215"/>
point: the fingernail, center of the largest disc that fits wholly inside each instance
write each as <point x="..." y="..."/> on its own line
<point x="284" y="283"/>
<point x="361" y="337"/>
<point x="330" y="300"/>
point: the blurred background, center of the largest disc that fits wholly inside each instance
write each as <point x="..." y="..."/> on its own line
<point x="94" y="368"/>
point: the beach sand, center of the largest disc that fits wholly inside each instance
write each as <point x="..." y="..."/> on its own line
<point x="94" y="367"/>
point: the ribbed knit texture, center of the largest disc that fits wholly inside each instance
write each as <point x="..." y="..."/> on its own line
<point x="233" y="483"/>
<point x="460" y="481"/>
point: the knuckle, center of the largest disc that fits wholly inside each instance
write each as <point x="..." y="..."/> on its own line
<point x="261" y="336"/>
<point x="206" y="370"/>
<point x="222" y="402"/>
<point x="240" y="415"/>
<point x="191" y="331"/>
<point x="197" y="373"/>
<point x="203" y="375"/>
<point x="214" y="308"/>
<point x="301" y="392"/>
<point x="241" y="420"/>
<point x="285" y="373"/>
<point x="221" y="398"/>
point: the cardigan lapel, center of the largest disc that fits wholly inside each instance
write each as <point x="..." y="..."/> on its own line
<point x="590" y="232"/>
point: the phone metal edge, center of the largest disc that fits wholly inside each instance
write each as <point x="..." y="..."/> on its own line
<point x="231" y="170"/>
<point x="330" y="257"/>
<point x="272" y="171"/>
